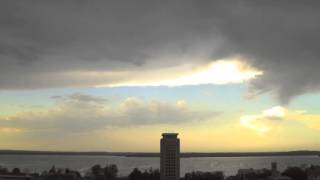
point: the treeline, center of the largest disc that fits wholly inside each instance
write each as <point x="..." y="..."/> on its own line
<point x="294" y="173"/>
<point x="14" y="171"/>
<point x="108" y="172"/>
<point x="111" y="172"/>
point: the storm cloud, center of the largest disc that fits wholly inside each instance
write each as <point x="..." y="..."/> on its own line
<point x="45" y="44"/>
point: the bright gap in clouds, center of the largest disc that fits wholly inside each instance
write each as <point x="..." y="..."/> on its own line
<point x="265" y="121"/>
<point x="217" y="72"/>
<point x="251" y="121"/>
<point x="271" y="118"/>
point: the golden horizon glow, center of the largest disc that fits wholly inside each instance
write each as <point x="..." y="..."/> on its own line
<point x="9" y="130"/>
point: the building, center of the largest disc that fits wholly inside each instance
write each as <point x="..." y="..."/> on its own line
<point x="275" y="174"/>
<point x="170" y="157"/>
<point x="249" y="174"/>
<point x="14" y="177"/>
<point x="260" y="174"/>
<point x="313" y="173"/>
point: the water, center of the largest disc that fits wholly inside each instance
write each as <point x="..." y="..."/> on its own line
<point x="230" y="165"/>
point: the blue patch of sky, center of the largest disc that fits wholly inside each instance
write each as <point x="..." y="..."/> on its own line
<point x="308" y="102"/>
<point x="228" y="98"/>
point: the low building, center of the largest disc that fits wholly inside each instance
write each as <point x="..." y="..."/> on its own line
<point x="313" y="173"/>
<point x="252" y="174"/>
<point x="275" y="174"/>
<point x="14" y="177"/>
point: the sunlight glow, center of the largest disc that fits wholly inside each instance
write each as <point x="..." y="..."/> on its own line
<point x="275" y="112"/>
<point x="9" y="130"/>
<point x="220" y="72"/>
<point x="271" y="118"/>
<point x="265" y="121"/>
<point x="217" y="72"/>
<point x="250" y="122"/>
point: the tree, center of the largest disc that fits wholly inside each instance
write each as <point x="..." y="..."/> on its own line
<point x="155" y="175"/>
<point x="135" y="174"/>
<point x="16" y="171"/>
<point x="52" y="170"/>
<point x="198" y="175"/>
<point x="96" y="169"/>
<point x="3" y="170"/>
<point x="295" y="173"/>
<point x="110" y="172"/>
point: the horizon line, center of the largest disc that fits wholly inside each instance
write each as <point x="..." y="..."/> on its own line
<point x="157" y="154"/>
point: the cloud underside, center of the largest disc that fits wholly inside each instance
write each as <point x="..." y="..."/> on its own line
<point x="91" y="43"/>
<point x="82" y="113"/>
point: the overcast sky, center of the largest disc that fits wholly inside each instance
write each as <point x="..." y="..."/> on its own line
<point x="104" y="70"/>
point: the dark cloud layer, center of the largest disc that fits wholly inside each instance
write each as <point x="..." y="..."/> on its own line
<point x="44" y="44"/>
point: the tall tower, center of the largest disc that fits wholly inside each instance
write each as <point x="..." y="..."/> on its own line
<point x="169" y="157"/>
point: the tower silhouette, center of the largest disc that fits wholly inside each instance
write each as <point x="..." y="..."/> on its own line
<point x="169" y="157"/>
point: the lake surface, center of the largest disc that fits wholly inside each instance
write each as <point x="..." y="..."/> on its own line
<point x="230" y="165"/>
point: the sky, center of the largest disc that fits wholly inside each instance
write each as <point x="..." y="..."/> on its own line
<point x="91" y="75"/>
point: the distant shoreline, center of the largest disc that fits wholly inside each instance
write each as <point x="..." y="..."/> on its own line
<point x="149" y="154"/>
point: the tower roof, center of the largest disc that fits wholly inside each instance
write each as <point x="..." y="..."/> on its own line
<point x="173" y="135"/>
